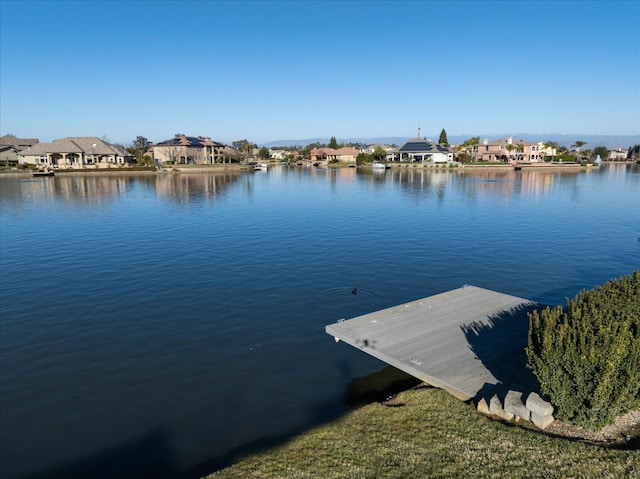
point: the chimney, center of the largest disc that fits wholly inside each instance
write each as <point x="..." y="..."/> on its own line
<point x="509" y="141"/>
<point x="485" y="141"/>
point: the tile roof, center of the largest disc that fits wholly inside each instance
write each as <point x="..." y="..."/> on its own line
<point x="75" y="144"/>
<point x="183" y="140"/>
<point x="13" y="140"/>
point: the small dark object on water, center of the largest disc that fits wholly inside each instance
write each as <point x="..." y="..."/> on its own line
<point x="355" y="291"/>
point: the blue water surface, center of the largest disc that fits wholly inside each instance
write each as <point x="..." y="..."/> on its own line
<point x="163" y="325"/>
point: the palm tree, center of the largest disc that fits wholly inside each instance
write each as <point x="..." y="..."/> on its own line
<point x="510" y="147"/>
<point x="577" y="145"/>
<point x="520" y="147"/>
<point x="551" y="145"/>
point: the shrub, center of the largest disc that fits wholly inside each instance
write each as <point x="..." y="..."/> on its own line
<point x="586" y="356"/>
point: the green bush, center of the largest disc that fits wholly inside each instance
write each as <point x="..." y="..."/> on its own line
<point x="586" y="356"/>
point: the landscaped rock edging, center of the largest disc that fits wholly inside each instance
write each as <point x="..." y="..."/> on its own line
<point x="534" y="409"/>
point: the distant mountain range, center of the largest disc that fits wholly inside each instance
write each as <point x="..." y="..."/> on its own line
<point x="609" y="141"/>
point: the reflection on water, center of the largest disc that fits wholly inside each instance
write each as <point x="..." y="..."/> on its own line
<point x="186" y="187"/>
<point x="168" y="320"/>
<point x="95" y="189"/>
<point x="498" y="182"/>
<point x="191" y="187"/>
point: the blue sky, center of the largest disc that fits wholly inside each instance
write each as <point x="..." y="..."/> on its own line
<point x="270" y="71"/>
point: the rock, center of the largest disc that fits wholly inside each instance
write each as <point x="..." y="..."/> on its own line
<point x="539" y="406"/>
<point x="483" y="407"/>
<point x="495" y="408"/>
<point x="513" y="405"/>
<point x="542" y="421"/>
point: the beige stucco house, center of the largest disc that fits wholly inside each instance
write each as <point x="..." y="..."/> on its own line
<point x="196" y="150"/>
<point x="508" y="151"/>
<point x="328" y="155"/>
<point x="75" y="152"/>
<point x="11" y="145"/>
<point x="618" y="154"/>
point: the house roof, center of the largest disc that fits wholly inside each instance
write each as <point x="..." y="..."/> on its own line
<point x="183" y="140"/>
<point x="75" y="144"/>
<point x="420" y="145"/>
<point x="12" y="140"/>
<point x="347" y="150"/>
<point x="505" y="141"/>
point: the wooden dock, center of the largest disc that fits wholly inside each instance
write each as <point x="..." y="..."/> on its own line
<point x="469" y="341"/>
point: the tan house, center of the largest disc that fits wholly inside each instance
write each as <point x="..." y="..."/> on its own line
<point x="75" y="152"/>
<point x="10" y="146"/>
<point x="618" y="154"/>
<point x="330" y="155"/>
<point x="194" y="150"/>
<point x="508" y="151"/>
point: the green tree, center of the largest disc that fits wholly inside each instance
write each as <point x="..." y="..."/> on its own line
<point x="139" y="147"/>
<point x="333" y="143"/>
<point x="602" y="151"/>
<point x="551" y="145"/>
<point x="466" y="149"/>
<point x="578" y="144"/>
<point x="245" y="147"/>
<point x="443" y="138"/>
<point x="264" y="153"/>
<point x="141" y="142"/>
<point x="379" y="153"/>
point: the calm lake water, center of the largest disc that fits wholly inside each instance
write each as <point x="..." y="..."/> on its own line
<point x="162" y="326"/>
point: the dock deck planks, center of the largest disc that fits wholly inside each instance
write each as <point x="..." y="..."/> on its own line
<point x="469" y="341"/>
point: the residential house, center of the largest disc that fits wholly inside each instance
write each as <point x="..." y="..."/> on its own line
<point x="330" y="155"/>
<point x="200" y="150"/>
<point x="506" y="151"/>
<point x="75" y="152"/>
<point x="424" y="151"/>
<point x="370" y="149"/>
<point x="10" y="146"/>
<point x="549" y="150"/>
<point x="278" y="154"/>
<point x="617" y="154"/>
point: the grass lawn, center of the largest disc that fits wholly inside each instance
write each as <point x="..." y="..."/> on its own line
<point x="428" y="433"/>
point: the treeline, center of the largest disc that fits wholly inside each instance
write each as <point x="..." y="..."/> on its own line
<point x="586" y="356"/>
<point x="634" y="152"/>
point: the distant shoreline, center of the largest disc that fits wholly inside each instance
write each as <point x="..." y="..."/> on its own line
<point x="234" y="167"/>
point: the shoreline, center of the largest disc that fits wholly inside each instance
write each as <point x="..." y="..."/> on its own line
<point x="234" y="167"/>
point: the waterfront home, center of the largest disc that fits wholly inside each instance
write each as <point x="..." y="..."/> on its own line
<point x="10" y="146"/>
<point x="194" y="150"/>
<point x="329" y="155"/>
<point x="278" y="154"/>
<point x="618" y="154"/>
<point x="423" y="151"/>
<point x="75" y="152"/>
<point x="506" y="150"/>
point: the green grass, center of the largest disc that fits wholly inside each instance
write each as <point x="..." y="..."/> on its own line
<point x="431" y="434"/>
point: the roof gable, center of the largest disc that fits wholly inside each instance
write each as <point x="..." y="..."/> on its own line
<point x="420" y="145"/>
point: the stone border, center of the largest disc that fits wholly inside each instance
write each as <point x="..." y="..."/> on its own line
<point x="534" y="409"/>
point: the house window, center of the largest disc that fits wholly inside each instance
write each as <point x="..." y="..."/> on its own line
<point x="42" y="159"/>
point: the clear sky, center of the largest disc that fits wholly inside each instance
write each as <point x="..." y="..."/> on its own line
<point x="269" y="71"/>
